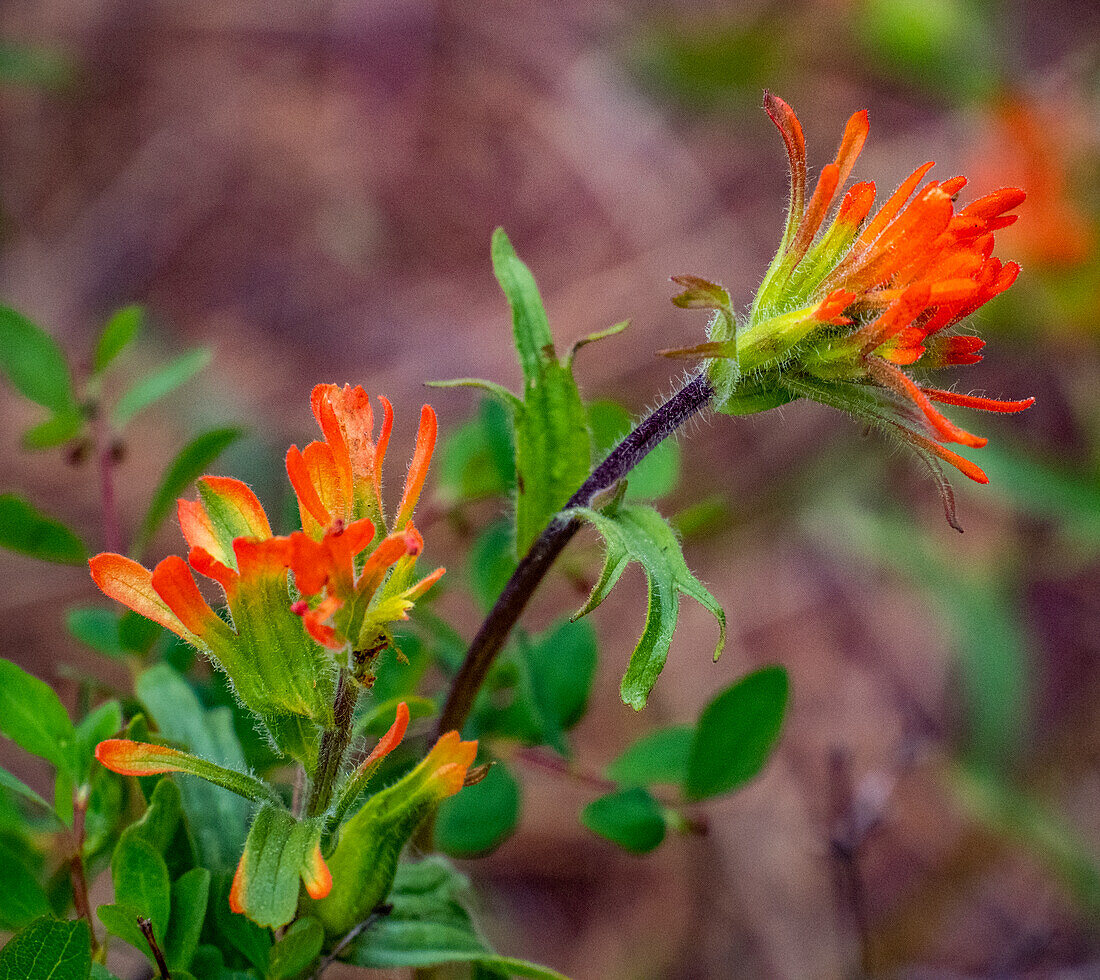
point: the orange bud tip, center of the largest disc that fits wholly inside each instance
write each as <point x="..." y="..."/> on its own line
<point x="316" y="875"/>
<point x="236" y="891"/>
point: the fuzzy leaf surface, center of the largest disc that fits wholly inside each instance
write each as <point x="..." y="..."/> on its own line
<point x="637" y="532"/>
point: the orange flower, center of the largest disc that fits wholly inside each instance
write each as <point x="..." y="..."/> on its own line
<point x="338" y="483"/>
<point x="848" y="304"/>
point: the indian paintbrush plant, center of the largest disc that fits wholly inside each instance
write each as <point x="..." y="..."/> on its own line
<point x="272" y="815"/>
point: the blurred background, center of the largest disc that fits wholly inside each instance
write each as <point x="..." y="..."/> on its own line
<point x="308" y="189"/>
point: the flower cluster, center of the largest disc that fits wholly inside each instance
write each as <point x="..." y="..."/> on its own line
<point x="344" y="593"/>
<point x="849" y="304"/>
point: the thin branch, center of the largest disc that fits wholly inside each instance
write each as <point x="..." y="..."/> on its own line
<point x="146" y="928"/>
<point x="349" y="938"/>
<point x="76" y="868"/>
<point x="487" y="643"/>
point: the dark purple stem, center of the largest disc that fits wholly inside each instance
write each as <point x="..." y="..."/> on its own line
<point x="487" y="643"/>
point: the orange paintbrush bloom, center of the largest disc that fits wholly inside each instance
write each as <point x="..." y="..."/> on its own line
<point x="338" y="483"/>
<point x="285" y="674"/>
<point x="851" y="306"/>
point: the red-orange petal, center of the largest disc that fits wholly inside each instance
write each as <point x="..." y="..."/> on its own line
<point x="791" y="130"/>
<point x="125" y="581"/>
<point x="316" y="875"/>
<point x="173" y="582"/>
<point x="129" y="758"/>
<point x="240" y="497"/>
<point x="855" y="134"/>
<point x="974" y="401"/>
<point x="299" y="475"/>
<point x="418" y="466"/>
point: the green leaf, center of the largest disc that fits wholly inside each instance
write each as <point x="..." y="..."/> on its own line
<point x="54" y="431"/>
<point x="237" y="931"/>
<point x="33" y="66"/>
<point x="121" y="330"/>
<point x="121" y="921"/>
<point x="190" y="893"/>
<point x="655" y="476"/>
<point x="34" y="364"/>
<point x="10" y="782"/>
<point x="96" y="628"/>
<point x="481" y="817"/>
<point x="299" y="947"/>
<point x="141" y="882"/>
<point x="158" y="385"/>
<point x="429" y="926"/>
<point x="553" y="449"/>
<point x="22" y="898"/>
<point x="48" y="949"/>
<point x="275" y="854"/>
<point x="491" y="563"/>
<point x="638" y="532"/>
<point x="659" y="757"/>
<point x="560" y="666"/>
<point x="736" y="733"/>
<point x="32" y="716"/>
<point x="161" y="819"/>
<point x="217" y="817"/>
<point x="631" y="818"/>
<point x="476" y="460"/>
<point x="192" y="462"/>
<point x="100" y="972"/>
<point x="26" y="529"/>
<point x="104" y="722"/>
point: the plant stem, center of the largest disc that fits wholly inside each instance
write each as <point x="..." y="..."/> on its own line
<point x="76" y="868"/>
<point x="105" y="461"/>
<point x="146" y="927"/>
<point x="334" y="743"/>
<point x="487" y="643"/>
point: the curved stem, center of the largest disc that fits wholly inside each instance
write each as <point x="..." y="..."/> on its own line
<point x="487" y="643"/>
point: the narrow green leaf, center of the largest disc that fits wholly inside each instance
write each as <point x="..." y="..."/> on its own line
<point x="217" y="818"/>
<point x="32" y="716"/>
<point x="553" y="448"/>
<point x="237" y="931"/>
<point x="54" y="431"/>
<point x="531" y="329"/>
<point x="299" y="947"/>
<point x="736" y="733"/>
<point x="10" y="782"/>
<point x="190" y="894"/>
<point x="22" y="898"/>
<point x="192" y="462"/>
<point x="507" y="398"/>
<point x="26" y="529"/>
<point x="121" y="330"/>
<point x="141" y="881"/>
<point x="631" y="818"/>
<point x="641" y="533"/>
<point x="481" y="817"/>
<point x="48" y="949"/>
<point x="593" y="337"/>
<point x="34" y="364"/>
<point x="158" y="385"/>
<point x="659" y="757"/>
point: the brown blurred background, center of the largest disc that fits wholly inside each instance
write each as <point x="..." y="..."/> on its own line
<point x="309" y="188"/>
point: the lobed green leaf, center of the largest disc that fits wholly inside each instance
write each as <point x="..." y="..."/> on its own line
<point x="637" y="532"/>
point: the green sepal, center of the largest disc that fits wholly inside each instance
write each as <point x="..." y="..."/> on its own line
<point x="277" y="852"/>
<point x="641" y="534"/>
